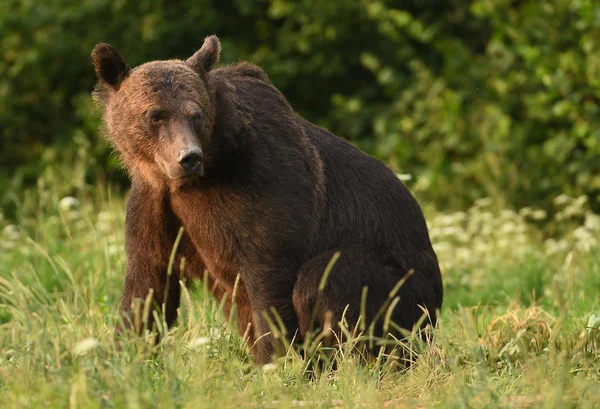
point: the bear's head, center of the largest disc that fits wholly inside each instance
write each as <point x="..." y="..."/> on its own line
<point x="160" y="115"/>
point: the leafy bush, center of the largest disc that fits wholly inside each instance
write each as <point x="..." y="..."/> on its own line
<point x="476" y="98"/>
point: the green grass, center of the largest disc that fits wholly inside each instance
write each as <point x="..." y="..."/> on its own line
<point x="517" y="328"/>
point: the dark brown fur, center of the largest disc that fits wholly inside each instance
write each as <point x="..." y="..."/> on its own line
<point x="275" y="198"/>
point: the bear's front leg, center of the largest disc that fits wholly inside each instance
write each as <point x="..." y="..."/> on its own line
<point x="243" y="308"/>
<point x="148" y="283"/>
<point x="150" y="232"/>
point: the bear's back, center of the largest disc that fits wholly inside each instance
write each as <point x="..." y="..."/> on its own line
<point x="364" y="195"/>
<point x="366" y="203"/>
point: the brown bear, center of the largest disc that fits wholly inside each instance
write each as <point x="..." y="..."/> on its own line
<point x="261" y="193"/>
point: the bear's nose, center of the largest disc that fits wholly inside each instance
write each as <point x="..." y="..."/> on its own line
<point x="189" y="159"/>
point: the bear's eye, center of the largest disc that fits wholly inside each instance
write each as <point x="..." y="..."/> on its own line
<point x="156" y="116"/>
<point x="198" y="118"/>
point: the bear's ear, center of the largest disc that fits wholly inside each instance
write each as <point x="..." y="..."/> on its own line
<point x="110" y="67"/>
<point x="207" y="56"/>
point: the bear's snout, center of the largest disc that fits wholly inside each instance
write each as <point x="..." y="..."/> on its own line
<point x="190" y="160"/>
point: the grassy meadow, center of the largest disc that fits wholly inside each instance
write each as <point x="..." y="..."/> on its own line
<point x="519" y="326"/>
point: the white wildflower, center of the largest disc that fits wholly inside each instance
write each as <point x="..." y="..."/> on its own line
<point x="507" y="228"/>
<point x="198" y="342"/>
<point x="593" y="323"/>
<point x="585" y="240"/>
<point x="508" y="214"/>
<point x="581" y="200"/>
<point x="562" y="199"/>
<point x="11" y="232"/>
<point x="113" y="249"/>
<point x="404" y="177"/>
<point x="269" y="367"/>
<point x="483" y="202"/>
<point x="463" y="254"/>
<point x="68" y="203"/>
<point x="554" y="246"/>
<point x="592" y="221"/>
<point x="526" y="211"/>
<point x="104" y="222"/>
<point x="84" y="346"/>
<point x="504" y="243"/>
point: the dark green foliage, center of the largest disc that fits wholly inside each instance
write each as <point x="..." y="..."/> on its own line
<point x="475" y="98"/>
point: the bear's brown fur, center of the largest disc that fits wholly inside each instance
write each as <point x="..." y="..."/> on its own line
<point x="261" y="193"/>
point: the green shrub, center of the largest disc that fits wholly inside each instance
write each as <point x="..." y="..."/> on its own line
<point x="475" y="98"/>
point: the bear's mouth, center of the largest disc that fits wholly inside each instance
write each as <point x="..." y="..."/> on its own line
<point x="181" y="181"/>
<point x="197" y="171"/>
<point x="178" y="174"/>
